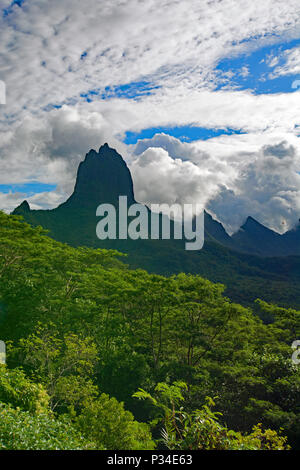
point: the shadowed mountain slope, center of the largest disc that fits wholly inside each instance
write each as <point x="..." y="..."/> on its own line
<point x="103" y="176"/>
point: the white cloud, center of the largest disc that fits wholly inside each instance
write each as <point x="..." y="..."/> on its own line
<point x="159" y="178"/>
<point x="55" y="52"/>
<point x="290" y="65"/>
<point x="263" y="183"/>
<point x="46" y="200"/>
<point x="169" y="42"/>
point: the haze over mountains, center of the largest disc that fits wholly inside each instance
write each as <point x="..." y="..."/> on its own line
<point x="103" y="176"/>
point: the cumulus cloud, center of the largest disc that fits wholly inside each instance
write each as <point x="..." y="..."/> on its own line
<point x="267" y="188"/>
<point x="46" y="200"/>
<point x="50" y="148"/>
<point x="264" y="183"/>
<point x="159" y="178"/>
<point x="61" y="60"/>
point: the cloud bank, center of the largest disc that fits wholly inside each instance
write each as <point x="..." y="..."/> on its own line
<point x="66" y="66"/>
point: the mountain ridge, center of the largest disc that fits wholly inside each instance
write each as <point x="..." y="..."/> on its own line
<point x="108" y="167"/>
<point x="246" y="276"/>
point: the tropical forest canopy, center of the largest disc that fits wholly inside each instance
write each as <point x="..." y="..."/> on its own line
<point x="100" y="356"/>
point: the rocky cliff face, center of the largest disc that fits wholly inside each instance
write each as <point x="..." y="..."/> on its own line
<point x="101" y="178"/>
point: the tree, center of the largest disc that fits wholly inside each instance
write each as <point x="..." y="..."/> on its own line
<point x="17" y="390"/>
<point x="21" y="430"/>
<point x="106" y="422"/>
<point x="201" y="430"/>
<point x="63" y="365"/>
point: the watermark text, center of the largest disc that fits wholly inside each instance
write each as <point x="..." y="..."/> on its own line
<point x="159" y="222"/>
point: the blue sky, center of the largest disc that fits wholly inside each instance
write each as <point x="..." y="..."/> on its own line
<point x="28" y="189"/>
<point x="258" y="80"/>
<point x="251" y="71"/>
<point x="79" y="74"/>
<point x="134" y="90"/>
<point x="9" y="9"/>
<point x="183" y="133"/>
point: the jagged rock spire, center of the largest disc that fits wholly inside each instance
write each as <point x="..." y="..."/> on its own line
<point x="101" y="178"/>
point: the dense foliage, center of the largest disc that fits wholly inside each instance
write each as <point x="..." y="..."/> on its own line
<point x="200" y="429"/>
<point x="84" y="333"/>
<point x="20" y="430"/>
<point x="246" y="277"/>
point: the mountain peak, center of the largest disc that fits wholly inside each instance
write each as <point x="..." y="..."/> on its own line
<point x="105" y="146"/>
<point x="91" y="153"/>
<point x="22" y="208"/>
<point x="250" y="220"/>
<point x="101" y="178"/>
<point x="255" y="238"/>
<point x="104" y="151"/>
<point x="252" y="224"/>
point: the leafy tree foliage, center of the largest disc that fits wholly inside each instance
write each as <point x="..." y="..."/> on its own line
<point x="20" y="430"/>
<point x="107" y="423"/>
<point x="17" y="390"/>
<point x="88" y="332"/>
<point x="201" y="430"/>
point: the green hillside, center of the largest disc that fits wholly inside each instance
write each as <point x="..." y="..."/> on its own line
<point x="103" y="176"/>
<point x="246" y="277"/>
<point x="84" y="334"/>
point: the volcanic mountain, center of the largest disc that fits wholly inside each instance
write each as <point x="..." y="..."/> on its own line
<point x="104" y="176"/>
<point x="255" y="238"/>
